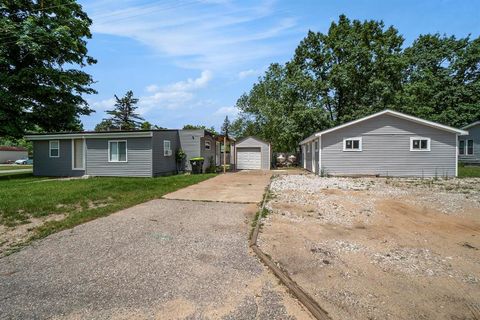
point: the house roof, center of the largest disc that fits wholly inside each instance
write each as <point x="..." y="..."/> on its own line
<point x="11" y="148"/>
<point x="392" y="113"/>
<point x="471" y="125"/>
<point x="93" y="134"/>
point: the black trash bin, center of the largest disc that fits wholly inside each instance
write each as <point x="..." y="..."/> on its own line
<point x="197" y="165"/>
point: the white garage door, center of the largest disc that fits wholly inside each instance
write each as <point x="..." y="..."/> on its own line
<point x="249" y="158"/>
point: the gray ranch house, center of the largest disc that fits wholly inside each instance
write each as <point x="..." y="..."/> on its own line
<point x="143" y="153"/>
<point x="469" y="145"/>
<point x="387" y="143"/>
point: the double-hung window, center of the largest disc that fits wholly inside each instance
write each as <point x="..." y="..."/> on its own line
<point x="352" y="144"/>
<point x="54" y="148"/>
<point x="461" y="147"/>
<point x="207" y="145"/>
<point x="167" y="148"/>
<point x="469" y="147"/>
<point x="419" y="144"/>
<point x="117" y="151"/>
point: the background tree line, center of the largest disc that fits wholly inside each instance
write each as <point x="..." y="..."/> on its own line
<point x="358" y="68"/>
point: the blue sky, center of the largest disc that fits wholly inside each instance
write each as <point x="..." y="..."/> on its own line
<point x="190" y="60"/>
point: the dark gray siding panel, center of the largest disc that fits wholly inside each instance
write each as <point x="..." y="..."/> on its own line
<point x="43" y="165"/>
<point x="255" y="143"/>
<point x="164" y="164"/>
<point x="139" y="156"/>
<point x="309" y="156"/>
<point x="386" y="150"/>
<point x="473" y="134"/>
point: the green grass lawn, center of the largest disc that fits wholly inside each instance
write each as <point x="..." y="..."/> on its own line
<point x="469" y="172"/>
<point x="15" y="167"/>
<point x="24" y="196"/>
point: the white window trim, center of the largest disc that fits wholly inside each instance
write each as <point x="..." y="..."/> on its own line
<point x="50" y="148"/>
<point x="165" y="153"/>
<point x="360" y="144"/>
<point x="126" y="151"/>
<point x="420" y="138"/>
<point x="466" y="148"/>
<point x="73" y="155"/>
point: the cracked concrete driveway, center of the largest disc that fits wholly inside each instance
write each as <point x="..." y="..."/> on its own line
<point x="163" y="259"/>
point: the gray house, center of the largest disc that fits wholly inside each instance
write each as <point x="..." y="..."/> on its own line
<point x="386" y="143"/>
<point x="199" y="143"/>
<point x="469" y="145"/>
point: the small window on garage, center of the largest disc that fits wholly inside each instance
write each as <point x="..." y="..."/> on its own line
<point x="54" y="148"/>
<point x="207" y="145"/>
<point x="167" y="148"/>
<point x="469" y="147"/>
<point x="352" y="144"/>
<point x="461" y="147"/>
<point x="419" y="144"/>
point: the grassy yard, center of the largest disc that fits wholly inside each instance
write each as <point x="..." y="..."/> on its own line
<point x="15" y="167"/>
<point x="24" y="197"/>
<point x="469" y="172"/>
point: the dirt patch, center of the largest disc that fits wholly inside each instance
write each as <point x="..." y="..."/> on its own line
<point x="371" y="248"/>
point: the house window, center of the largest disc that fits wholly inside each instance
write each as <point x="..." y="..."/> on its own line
<point x="207" y="145"/>
<point x="461" y="147"/>
<point x="54" y="148"/>
<point x="316" y="145"/>
<point x="117" y="151"/>
<point x="167" y="148"/>
<point x="469" y="147"/>
<point x="419" y="144"/>
<point x="308" y="147"/>
<point x="352" y="144"/>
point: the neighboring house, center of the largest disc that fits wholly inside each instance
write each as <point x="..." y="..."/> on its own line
<point x="142" y="153"/>
<point x="469" y="145"/>
<point x="387" y="143"/>
<point x="252" y="153"/>
<point x="8" y="153"/>
<point x="115" y="153"/>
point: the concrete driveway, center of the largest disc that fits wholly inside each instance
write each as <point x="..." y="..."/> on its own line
<point x="239" y="187"/>
<point x="164" y="259"/>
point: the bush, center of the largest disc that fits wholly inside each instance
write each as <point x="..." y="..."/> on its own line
<point x="211" y="166"/>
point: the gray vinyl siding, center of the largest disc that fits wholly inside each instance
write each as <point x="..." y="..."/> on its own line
<point x="309" y="156"/>
<point x="43" y="165"/>
<point x="206" y="154"/>
<point x="386" y="149"/>
<point x="139" y="156"/>
<point x="162" y="164"/>
<point x="473" y="134"/>
<point x="190" y="142"/>
<point x="316" y="155"/>
<point x="252" y="142"/>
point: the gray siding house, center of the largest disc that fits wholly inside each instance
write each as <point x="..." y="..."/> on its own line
<point x="198" y="143"/>
<point x="469" y="145"/>
<point x="387" y="143"/>
<point x="115" y="153"/>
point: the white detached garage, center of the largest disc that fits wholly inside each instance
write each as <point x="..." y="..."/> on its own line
<point x="252" y="153"/>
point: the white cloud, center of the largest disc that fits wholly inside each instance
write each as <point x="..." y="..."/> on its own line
<point x="205" y="35"/>
<point x="190" y="84"/>
<point x="227" y="111"/>
<point x="103" y="105"/>
<point x="152" y="88"/>
<point x="248" y="73"/>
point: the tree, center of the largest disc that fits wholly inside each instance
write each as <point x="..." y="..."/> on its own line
<point x="199" y="126"/>
<point x="146" y="126"/>
<point x="123" y="115"/>
<point x="40" y="47"/>
<point x="226" y="126"/>
<point x="105" y="125"/>
<point x="442" y="80"/>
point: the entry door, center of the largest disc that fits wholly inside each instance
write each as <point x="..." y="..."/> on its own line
<point x="249" y="158"/>
<point x="78" y="154"/>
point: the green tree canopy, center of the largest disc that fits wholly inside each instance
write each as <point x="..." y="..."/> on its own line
<point x="41" y="43"/>
<point x="123" y="115"/>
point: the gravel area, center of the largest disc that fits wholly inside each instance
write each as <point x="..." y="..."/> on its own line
<point x="164" y="259"/>
<point x="379" y="248"/>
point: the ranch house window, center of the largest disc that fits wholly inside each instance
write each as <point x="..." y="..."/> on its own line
<point x="469" y="147"/>
<point x="461" y="147"/>
<point x="419" y="144"/>
<point x="54" y="148"/>
<point x="117" y="151"/>
<point x="167" y="148"/>
<point x="207" y="145"/>
<point x="352" y="144"/>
